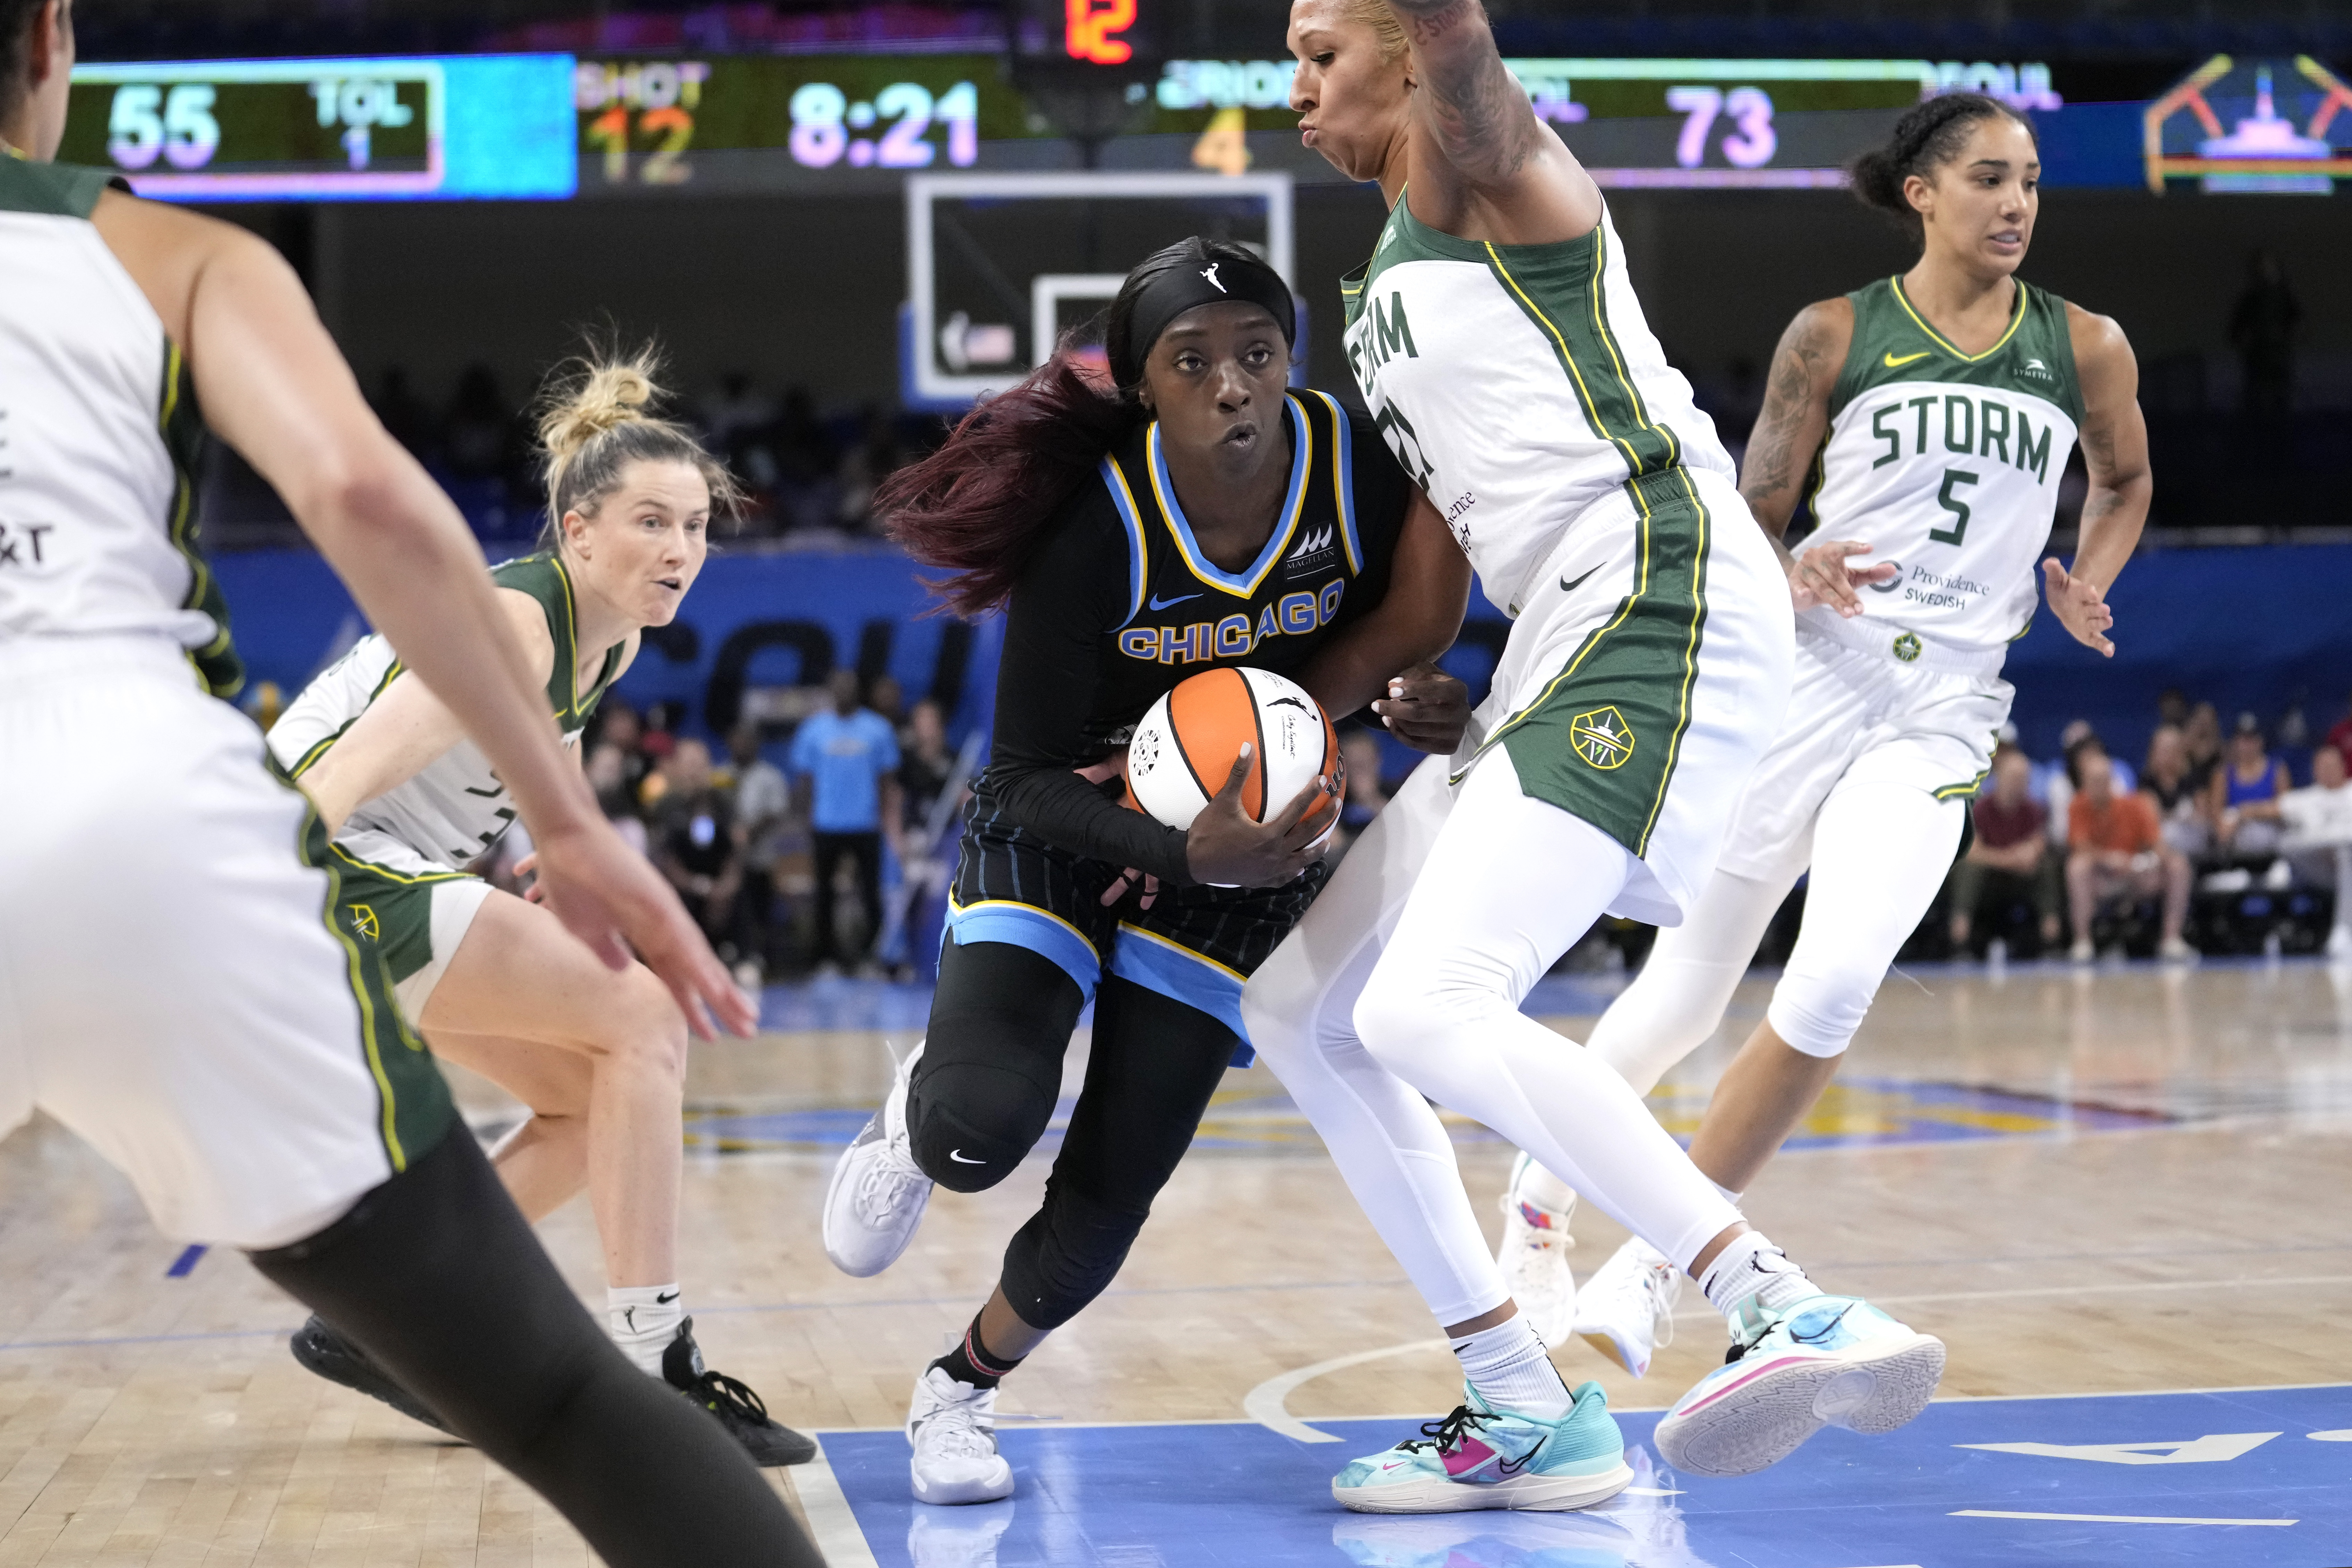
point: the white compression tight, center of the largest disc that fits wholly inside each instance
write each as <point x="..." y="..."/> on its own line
<point x="1404" y="982"/>
<point x="1880" y="850"/>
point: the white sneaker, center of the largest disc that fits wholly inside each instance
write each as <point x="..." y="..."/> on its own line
<point x="2082" y="952"/>
<point x="1627" y="1310"/>
<point x="953" y="1428"/>
<point x="1533" y="1258"/>
<point x="877" y="1193"/>
<point x="2175" y="950"/>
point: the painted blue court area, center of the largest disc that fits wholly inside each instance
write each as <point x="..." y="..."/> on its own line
<point x="2253" y="1477"/>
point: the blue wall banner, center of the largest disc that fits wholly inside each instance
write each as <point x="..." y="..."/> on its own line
<point x="2255" y="629"/>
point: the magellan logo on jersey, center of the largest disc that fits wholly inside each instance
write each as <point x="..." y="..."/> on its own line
<point x="1314" y="551"/>
<point x="364" y="920"/>
<point x="1907" y="647"/>
<point x="1602" y="738"/>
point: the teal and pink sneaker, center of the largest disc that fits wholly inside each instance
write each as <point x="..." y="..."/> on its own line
<point x="1483" y="1458"/>
<point x="1826" y="1360"/>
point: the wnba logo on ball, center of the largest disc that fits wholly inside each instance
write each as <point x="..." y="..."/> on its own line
<point x="1602" y="738"/>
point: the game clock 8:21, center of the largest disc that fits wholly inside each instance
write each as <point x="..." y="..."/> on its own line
<point x="644" y="120"/>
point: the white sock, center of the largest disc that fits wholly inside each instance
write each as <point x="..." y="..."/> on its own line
<point x="1509" y="1367"/>
<point x="643" y="1319"/>
<point x="1752" y="1266"/>
<point x="1728" y="1195"/>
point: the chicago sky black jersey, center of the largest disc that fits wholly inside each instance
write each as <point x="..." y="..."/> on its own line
<point x="1118" y="605"/>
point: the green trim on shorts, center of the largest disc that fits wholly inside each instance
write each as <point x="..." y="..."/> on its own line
<point x="388" y="911"/>
<point x="1963" y="791"/>
<point x="1601" y="741"/>
<point x="414" y="1109"/>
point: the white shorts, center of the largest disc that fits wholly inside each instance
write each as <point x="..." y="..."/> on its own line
<point x="1645" y="674"/>
<point x="170" y="986"/>
<point x="412" y="911"/>
<point x="1860" y="716"/>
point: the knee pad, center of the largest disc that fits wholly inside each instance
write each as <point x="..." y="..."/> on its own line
<point x="1817" y="1009"/>
<point x="971" y="1122"/>
<point x="1065" y="1256"/>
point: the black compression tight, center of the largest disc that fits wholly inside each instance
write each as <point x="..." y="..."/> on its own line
<point x="437" y="1277"/>
<point x="985" y="1088"/>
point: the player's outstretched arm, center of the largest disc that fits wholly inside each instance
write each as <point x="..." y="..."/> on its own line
<point x="1482" y="163"/>
<point x="275" y="387"/>
<point x="2114" y="451"/>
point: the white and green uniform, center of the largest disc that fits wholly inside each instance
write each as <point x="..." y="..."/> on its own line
<point x="1647" y="662"/>
<point x="403" y="854"/>
<point x="1947" y="465"/>
<point x="172" y="987"/>
<point x="1645" y="671"/>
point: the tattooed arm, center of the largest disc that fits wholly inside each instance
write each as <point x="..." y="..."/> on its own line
<point x="2114" y="451"/>
<point x="1780" y="456"/>
<point x="1484" y="167"/>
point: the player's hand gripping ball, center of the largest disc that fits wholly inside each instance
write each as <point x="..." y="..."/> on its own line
<point x="1186" y="745"/>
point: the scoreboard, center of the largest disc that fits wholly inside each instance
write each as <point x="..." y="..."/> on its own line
<point x="332" y="129"/>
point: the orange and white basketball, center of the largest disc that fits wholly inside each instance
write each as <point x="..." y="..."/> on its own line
<point x="1185" y="746"/>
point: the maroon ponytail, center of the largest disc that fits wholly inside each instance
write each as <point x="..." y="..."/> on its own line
<point x="978" y="507"/>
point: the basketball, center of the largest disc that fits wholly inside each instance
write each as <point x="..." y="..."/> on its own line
<point x="1186" y="745"/>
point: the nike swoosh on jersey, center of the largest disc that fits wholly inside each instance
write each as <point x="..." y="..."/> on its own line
<point x="1160" y="603"/>
<point x="957" y="1155"/>
<point x="1895" y="364"/>
<point x="1567" y="586"/>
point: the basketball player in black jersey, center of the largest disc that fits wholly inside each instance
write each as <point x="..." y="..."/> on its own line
<point x="1196" y="514"/>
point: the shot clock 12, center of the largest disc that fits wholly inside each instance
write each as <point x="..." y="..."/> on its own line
<point x="645" y="120"/>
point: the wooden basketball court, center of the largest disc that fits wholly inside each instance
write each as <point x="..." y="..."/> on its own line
<point x="2119" y="1181"/>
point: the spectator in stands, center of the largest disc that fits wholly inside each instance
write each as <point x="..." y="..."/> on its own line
<point x="697" y="846"/>
<point x="2319" y="819"/>
<point x="2117" y="850"/>
<point x="2179" y="805"/>
<point x="607" y="770"/>
<point x="480" y="435"/>
<point x="2172" y="707"/>
<point x="762" y="801"/>
<point x="2012" y="858"/>
<point x="930" y="792"/>
<point x="2241" y="800"/>
<point x="2340" y="736"/>
<point x="875" y="459"/>
<point x="2064" y="777"/>
<point x="807" y="491"/>
<point x="847" y="757"/>
<point x="617" y="729"/>
<point x="2202" y="735"/>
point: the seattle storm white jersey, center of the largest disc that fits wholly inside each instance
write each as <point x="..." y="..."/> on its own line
<point x="1947" y="465"/>
<point x="98" y="438"/>
<point x="454" y="808"/>
<point x="1518" y="384"/>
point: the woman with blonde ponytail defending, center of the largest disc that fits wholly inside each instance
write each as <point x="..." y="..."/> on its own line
<point x="492" y="981"/>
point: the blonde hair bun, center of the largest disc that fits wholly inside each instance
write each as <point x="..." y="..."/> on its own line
<point x="596" y="397"/>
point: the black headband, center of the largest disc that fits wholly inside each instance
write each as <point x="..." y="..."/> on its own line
<point x="1186" y="287"/>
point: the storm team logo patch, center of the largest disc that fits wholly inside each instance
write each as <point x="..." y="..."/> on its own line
<point x="1907" y="647"/>
<point x="364" y="920"/>
<point x="1602" y="738"/>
